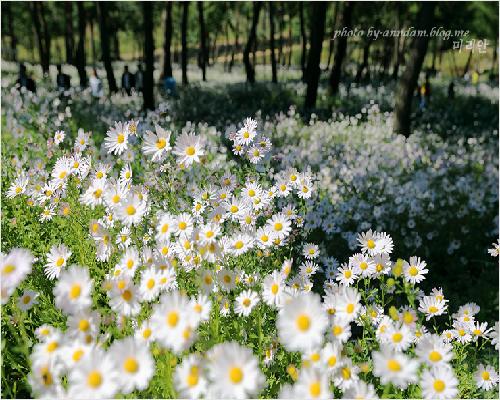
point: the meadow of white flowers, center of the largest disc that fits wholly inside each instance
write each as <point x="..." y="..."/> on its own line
<point x="156" y="260"/>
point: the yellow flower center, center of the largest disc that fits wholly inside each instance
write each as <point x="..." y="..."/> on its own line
<point x="236" y="375"/>
<point x="246" y="302"/>
<point x="370" y="244"/>
<point x="350" y="308"/>
<point x="75" y="291"/>
<point x="52" y="346"/>
<point x="397" y="337"/>
<point x="278" y="226"/>
<point x="8" y="269"/>
<point x="274" y="288"/>
<point x="332" y="361"/>
<point x="393" y="365"/>
<point x="131" y="210"/>
<point x="315" y="389"/>
<point x="485" y="375"/>
<point x="146" y="333"/>
<point x="94" y="379"/>
<point x="83" y="325"/>
<point x="127" y="295"/>
<point x="151" y="283"/>
<point x="26" y="299"/>
<point x="190" y="151"/>
<point x="433" y="309"/>
<point x="435" y="356"/>
<point x="77" y="355"/>
<point x="346" y="373"/>
<point x="238" y="245"/>
<point x="439" y="385"/>
<point x="413" y="271"/>
<point x="303" y="322"/>
<point x="161" y="143"/>
<point x="121" y="138"/>
<point x="172" y="319"/>
<point x="337" y="330"/>
<point x="348" y="273"/>
<point x="130" y="365"/>
<point x="407" y="317"/>
<point x="47" y="377"/>
<point x="192" y="379"/>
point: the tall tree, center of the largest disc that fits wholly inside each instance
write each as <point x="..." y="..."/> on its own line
<point x="314" y="57"/>
<point x="303" y="40"/>
<point x="398" y="44"/>
<point x="42" y="34"/>
<point x="408" y="81"/>
<point x="363" y="65"/>
<point x="80" y="50"/>
<point x="203" y="56"/>
<point x="184" y="55"/>
<point x="102" y="8"/>
<point x="167" y="59"/>
<point x="236" y="45"/>
<point x="252" y="38"/>
<point x="331" y="45"/>
<point x="68" y="31"/>
<point x="92" y="42"/>
<point x="10" y="26"/>
<point x="271" y="39"/>
<point x="341" y="49"/>
<point x="149" y="48"/>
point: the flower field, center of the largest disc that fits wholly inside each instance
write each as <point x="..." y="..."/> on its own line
<point x="196" y="252"/>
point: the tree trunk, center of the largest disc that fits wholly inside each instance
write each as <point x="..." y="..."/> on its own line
<point x="271" y="38"/>
<point x="364" y="63"/>
<point x="281" y="25"/>
<point x="467" y="64"/>
<point x="494" y="60"/>
<point x="68" y="31"/>
<point x="167" y="62"/>
<point x="92" y="42"/>
<point x="290" y="39"/>
<point x="236" y="46"/>
<point x="116" y="45"/>
<point x="332" y="32"/>
<point x="341" y="50"/>
<point x="203" y="41"/>
<point x="149" y="48"/>
<point x="42" y="35"/>
<point x="12" y="35"/>
<point x="185" y="10"/>
<point x="408" y="81"/>
<point x="314" y="58"/>
<point x="250" y="71"/>
<point x="80" y="50"/>
<point x="102" y="9"/>
<point x="303" y="40"/>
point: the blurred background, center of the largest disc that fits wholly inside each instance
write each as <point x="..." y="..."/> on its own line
<point x="253" y="41"/>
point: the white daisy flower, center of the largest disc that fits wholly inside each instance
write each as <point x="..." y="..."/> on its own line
<point x="234" y="372"/>
<point x="57" y="259"/>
